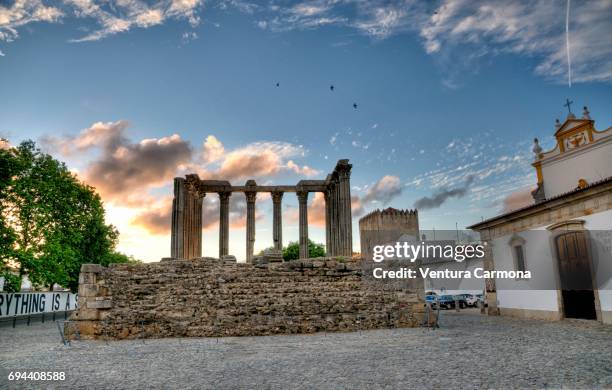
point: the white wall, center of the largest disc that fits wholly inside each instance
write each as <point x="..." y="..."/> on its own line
<point x="599" y="227"/>
<point x="537" y="293"/>
<point x="593" y="163"/>
<point x="540" y="293"/>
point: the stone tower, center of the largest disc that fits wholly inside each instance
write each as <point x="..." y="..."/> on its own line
<point x="386" y="227"/>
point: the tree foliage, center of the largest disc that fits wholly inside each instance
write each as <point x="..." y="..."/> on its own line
<point x="50" y="222"/>
<point x="292" y="251"/>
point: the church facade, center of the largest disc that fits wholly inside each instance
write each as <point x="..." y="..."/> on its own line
<point x="564" y="238"/>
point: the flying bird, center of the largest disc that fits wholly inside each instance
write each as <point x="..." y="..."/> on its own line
<point x="278" y="84"/>
<point x="355" y="106"/>
<point x="331" y="87"/>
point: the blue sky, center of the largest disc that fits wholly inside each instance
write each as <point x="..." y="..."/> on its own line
<point x="450" y="95"/>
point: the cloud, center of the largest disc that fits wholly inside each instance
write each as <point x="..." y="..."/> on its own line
<point x="119" y="16"/>
<point x="518" y="199"/>
<point x="458" y="33"/>
<point x="189" y="36"/>
<point x="304" y="170"/>
<point x="25" y="12"/>
<point x="158" y="218"/>
<point x="384" y="190"/>
<point x="357" y="206"/>
<point x="316" y="210"/>
<point x="442" y="195"/>
<point x="4" y="144"/>
<point x="124" y="171"/>
<point x="527" y="28"/>
<point x="212" y="149"/>
<point x="383" y="21"/>
<point x="109" y="135"/>
<point x="262" y="159"/>
<point x="333" y="139"/>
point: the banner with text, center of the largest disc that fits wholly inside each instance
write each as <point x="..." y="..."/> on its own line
<point x="30" y="303"/>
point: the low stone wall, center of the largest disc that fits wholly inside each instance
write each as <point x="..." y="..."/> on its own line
<point x="209" y="297"/>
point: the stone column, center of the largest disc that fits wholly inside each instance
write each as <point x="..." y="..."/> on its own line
<point x="192" y="225"/>
<point x="345" y="217"/>
<point x="224" y="223"/>
<point x="303" y="209"/>
<point x="335" y="222"/>
<point x="277" y="220"/>
<point x="250" y="225"/>
<point x="186" y="235"/>
<point x="178" y="209"/>
<point x="197" y="225"/>
<point x="328" y="249"/>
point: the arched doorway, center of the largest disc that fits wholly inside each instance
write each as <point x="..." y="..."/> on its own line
<point x="576" y="283"/>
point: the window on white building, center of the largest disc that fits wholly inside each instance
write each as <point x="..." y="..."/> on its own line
<point x="517" y="244"/>
<point x="519" y="256"/>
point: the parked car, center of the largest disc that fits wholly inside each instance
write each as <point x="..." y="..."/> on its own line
<point x="446" y="301"/>
<point x="461" y="298"/>
<point x="472" y="300"/>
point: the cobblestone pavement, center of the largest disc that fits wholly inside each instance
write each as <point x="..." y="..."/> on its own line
<point x="469" y="351"/>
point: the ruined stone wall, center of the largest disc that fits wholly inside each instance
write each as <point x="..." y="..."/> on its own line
<point x="208" y="297"/>
<point x="386" y="226"/>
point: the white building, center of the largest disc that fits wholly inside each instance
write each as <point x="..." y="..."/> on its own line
<point x="564" y="238"/>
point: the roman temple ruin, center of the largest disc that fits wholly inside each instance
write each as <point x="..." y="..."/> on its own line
<point x="186" y="239"/>
<point x="195" y="296"/>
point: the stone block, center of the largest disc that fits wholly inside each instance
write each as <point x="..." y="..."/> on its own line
<point x="87" y="278"/>
<point x="87" y="329"/>
<point x="88" y="290"/>
<point x="229" y="258"/>
<point x="101" y="304"/>
<point x="273" y="255"/>
<point x="85" y="313"/>
<point x="92" y="268"/>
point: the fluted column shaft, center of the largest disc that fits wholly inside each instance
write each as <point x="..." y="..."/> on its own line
<point x="336" y="218"/>
<point x="224" y="223"/>
<point x="277" y="220"/>
<point x="344" y="189"/>
<point x="250" y="226"/>
<point x="303" y="215"/>
<point x="186" y="234"/>
<point x="327" y="223"/>
<point x="178" y="210"/>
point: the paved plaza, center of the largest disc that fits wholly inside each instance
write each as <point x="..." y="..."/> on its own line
<point x="468" y="351"/>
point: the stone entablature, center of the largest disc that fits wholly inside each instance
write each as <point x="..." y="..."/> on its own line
<point x="186" y="239"/>
<point x="208" y="297"/>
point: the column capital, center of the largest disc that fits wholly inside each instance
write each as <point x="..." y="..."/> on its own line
<point x="344" y="169"/>
<point x="302" y="195"/>
<point x="277" y="196"/>
<point x="250" y="196"/>
<point x="224" y="195"/>
<point x="192" y="184"/>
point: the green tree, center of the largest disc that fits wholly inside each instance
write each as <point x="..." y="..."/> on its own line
<point x="50" y="223"/>
<point x="292" y="251"/>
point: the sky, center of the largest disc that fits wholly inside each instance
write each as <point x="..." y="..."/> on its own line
<point x="449" y="95"/>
